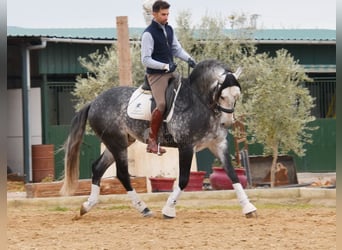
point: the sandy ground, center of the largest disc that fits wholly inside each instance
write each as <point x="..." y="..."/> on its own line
<point x="121" y="227"/>
<point x="279" y="226"/>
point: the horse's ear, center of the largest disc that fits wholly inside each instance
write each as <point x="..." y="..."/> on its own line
<point x="237" y="73"/>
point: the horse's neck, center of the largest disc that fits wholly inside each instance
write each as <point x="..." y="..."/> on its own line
<point x="201" y="93"/>
<point x="193" y="95"/>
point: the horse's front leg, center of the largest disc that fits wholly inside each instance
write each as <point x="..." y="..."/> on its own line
<point x="185" y="159"/>
<point x="248" y="209"/>
<point x="99" y="167"/>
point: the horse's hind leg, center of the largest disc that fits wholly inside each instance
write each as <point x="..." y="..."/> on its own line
<point x="99" y="167"/>
<point x="121" y="160"/>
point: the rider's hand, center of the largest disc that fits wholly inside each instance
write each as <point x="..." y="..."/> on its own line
<point x="191" y="63"/>
<point x="169" y="68"/>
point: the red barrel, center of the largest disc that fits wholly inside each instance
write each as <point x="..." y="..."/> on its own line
<point x="43" y="162"/>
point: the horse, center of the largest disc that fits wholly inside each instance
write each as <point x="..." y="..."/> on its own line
<point x="202" y="112"/>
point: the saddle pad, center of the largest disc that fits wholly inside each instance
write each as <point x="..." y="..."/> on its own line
<point x="139" y="105"/>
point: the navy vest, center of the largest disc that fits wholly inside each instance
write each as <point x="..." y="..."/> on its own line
<point x="162" y="46"/>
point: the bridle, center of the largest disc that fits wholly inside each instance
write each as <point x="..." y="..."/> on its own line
<point x="216" y="92"/>
<point x="220" y="87"/>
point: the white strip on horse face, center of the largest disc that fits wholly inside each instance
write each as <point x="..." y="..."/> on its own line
<point x="234" y="92"/>
<point x="229" y="96"/>
<point x="227" y="100"/>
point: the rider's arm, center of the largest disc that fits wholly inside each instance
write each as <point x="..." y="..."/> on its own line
<point x="147" y="45"/>
<point x="178" y="51"/>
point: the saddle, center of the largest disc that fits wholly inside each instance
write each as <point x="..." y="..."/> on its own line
<point x="141" y="104"/>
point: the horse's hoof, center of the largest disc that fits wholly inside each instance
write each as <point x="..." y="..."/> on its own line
<point x="83" y="210"/>
<point x="167" y="217"/>
<point x="252" y="214"/>
<point x="76" y="217"/>
<point x="147" y="212"/>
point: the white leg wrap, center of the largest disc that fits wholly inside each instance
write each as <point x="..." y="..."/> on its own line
<point x="136" y="202"/>
<point x="170" y="207"/>
<point x="247" y="207"/>
<point x="93" y="198"/>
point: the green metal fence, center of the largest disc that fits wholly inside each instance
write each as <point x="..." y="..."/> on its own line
<point x="323" y="89"/>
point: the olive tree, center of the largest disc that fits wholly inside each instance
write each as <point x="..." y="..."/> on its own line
<point x="210" y="40"/>
<point x="103" y="73"/>
<point x="276" y="106"/>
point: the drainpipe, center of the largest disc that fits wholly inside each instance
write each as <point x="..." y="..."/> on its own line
<point x="26" y="87"/>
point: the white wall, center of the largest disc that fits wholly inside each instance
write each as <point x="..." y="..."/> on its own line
<point x="15" y="155"/>
<point x="141" y="163"/>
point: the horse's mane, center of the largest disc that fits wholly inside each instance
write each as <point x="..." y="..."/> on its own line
<point x="206" y="73"/>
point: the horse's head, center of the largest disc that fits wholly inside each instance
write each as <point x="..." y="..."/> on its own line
<point x="216" y="81"/>
<point x="225" y="95"/>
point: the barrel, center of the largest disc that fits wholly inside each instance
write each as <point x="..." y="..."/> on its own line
<point x="43" y="162"/>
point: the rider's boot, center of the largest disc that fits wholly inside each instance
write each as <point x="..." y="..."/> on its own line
<point x="156" y="121"/>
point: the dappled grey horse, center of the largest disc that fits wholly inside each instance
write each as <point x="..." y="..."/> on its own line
<point x="199" y="115"/>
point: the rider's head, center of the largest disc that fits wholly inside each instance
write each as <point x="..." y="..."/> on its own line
<point x="160" y="11"/>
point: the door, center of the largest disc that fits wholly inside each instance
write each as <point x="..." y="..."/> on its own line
<point x="58" y="111"/>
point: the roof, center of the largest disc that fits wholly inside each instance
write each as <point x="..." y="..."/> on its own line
<point x="320" y="68"/>
<point x="262" y="36"/>
<point x="296" y="34"/>
<point x="74" y="33"/>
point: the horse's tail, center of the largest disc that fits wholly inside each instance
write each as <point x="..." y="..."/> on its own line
<point x="72" y="151"/>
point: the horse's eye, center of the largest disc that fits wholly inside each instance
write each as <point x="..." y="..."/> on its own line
<point x="222" y="97"/>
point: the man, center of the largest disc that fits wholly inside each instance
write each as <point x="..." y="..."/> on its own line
<point x="159" y="46"/>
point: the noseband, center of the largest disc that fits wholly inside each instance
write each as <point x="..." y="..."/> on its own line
<point x="224" y="110"/>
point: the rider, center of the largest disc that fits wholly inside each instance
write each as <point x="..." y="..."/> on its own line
<point x="159" y="45"/>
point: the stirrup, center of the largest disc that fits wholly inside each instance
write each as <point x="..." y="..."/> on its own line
<point x="159" y="151"/>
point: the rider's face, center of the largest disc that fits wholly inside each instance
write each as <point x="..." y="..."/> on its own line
<point x="161" y="16"/>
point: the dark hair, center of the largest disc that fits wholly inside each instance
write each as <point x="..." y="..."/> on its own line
<point x="160" y="5"/>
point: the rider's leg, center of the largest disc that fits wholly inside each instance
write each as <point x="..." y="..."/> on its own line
<point x="158" y="85"/>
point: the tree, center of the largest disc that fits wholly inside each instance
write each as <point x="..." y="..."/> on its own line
<point x="277" y="111"/>
<point x="211" y="39"/>
<point x="103" y="73"/>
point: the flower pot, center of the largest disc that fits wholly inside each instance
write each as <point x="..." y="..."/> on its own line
<point x="195" y="181"/>
<point x="219" y="180"/>
<point x="162" y="184"/>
